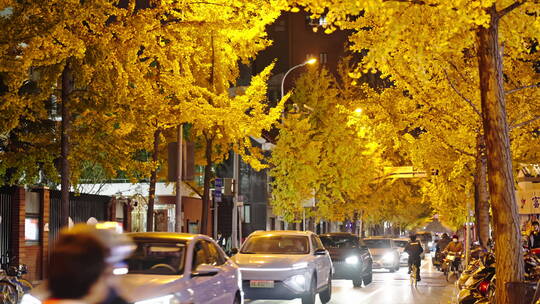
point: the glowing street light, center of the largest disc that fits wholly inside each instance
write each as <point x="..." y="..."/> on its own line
<point x="309" y="61"/>
<point x="358" y="111"/>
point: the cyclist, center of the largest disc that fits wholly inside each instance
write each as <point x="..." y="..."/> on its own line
<point x="414" y="250"/>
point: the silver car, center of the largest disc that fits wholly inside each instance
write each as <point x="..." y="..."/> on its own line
<point x="179" y="268"/>
<point x="285" y="265"/>
<point x="384" y="253"/>
<point x="168" y="268"/>
<point x="403" y="256"/>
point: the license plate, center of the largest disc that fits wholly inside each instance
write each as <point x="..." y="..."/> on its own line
<point x="261" y="284"/>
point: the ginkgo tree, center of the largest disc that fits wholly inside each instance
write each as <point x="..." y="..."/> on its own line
<point x="318" y="155"/>
<point x="413" y="39"/>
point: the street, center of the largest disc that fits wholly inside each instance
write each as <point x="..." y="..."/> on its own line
<point x="392" y="288"/>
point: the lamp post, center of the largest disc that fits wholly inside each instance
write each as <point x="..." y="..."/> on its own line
<point x="309" y="61"/>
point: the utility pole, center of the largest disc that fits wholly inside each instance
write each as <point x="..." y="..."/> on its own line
<point x="468" y="233"/>
<point x="234" y="236"/>
<point x="179" y="219"/>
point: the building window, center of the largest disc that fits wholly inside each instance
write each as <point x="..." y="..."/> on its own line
<point x="280" y="26"/>
<point x="247" y="214"/>
<point x="316" y="22"/>
<point x="323" y="58"/>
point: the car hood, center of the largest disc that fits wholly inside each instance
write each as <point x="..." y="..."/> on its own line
<point x="137" y="287"/>
<point x="268" y="260"/>
<point x="342" y="253"/>
<point x="380" y="251"/>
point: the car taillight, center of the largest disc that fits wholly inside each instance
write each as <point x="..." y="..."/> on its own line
<point x="483" y="287"/>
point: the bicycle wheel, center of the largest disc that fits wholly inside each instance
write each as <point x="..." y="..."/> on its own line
<point x="8" y="293"/>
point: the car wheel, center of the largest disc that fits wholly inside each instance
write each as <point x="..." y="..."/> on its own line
<point x="309" y="298"/>
<point x="368" y="278"/>
<point x="357" y="282"/>
<point x="326" y="294"/>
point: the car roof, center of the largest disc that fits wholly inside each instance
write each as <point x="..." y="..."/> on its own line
<point x="164" y="235"/>
<point x="281" y="232"/>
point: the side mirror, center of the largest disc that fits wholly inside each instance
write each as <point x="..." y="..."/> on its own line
<point x="234" y="251"/>
<point x="205" y="270"/>
<point x="320" y="252"/>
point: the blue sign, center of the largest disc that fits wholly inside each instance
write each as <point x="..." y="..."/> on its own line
<point x="219" y="183"/>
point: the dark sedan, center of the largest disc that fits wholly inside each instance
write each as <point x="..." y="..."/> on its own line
<point x="350" y="257"/>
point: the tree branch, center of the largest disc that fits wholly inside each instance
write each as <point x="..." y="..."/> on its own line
<point x="526" y="122"/>
<point x="537" y="85"/>
<point x="509" y="8"/>
<point x="454" y="147"/>
<point x="462" y="96"/>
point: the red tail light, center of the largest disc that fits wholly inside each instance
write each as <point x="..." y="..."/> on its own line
<point x="483" y="287"/>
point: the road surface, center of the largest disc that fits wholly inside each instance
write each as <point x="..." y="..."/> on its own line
<point x="394" y="288"/>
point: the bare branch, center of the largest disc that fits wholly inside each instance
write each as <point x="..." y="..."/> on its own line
<point x="509" y="8"/>
<point x="537" y="85"/>
<point x="526" y="122"/>
<point x="463" y="96"/>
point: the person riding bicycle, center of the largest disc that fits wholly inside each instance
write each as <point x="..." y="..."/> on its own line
<point x="414" y="250"/>
<point x="455" y="248"/>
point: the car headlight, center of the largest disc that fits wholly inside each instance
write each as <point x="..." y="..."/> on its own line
<point x="389" y="257"/>
<point x="405" y="255"/>
<point x="352" y="260"/>
<point x="168" y="299"/>
<point x="297" y="282"/>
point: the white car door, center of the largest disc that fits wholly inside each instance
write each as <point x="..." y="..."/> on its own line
<point x="226" y="281"/>
<point x="206" y="289"/>
<point x="321" y="262"/>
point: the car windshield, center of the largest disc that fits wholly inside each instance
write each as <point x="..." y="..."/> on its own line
<point x="377" y="243"/>
<point x="335" y="241"/>
<point x="276" y="244"/>
<point x="401" y="243"/>
<point x="158" y="257"/>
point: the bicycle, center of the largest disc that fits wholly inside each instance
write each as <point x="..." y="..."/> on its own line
<point x="414" y="278"/>
<point x="9" y="293"/>
<point x="12" y="285"/>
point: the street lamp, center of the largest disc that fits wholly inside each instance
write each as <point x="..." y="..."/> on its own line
<point x="309" y="61"/>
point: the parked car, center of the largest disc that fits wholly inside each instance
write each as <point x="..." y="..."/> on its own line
<point x="384" y="253"/>
<point x="350" y="257"/>
<point x="285" y="265"/>
<point x="403" y="256"/>
<point x="179" y="267"/>
<point x="170" y="268"/>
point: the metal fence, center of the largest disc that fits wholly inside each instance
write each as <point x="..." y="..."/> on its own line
<point x="81" y="208"/>
<point x="5" y="218"/>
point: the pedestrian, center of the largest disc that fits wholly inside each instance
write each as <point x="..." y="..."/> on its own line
<point x="534" y="236"/>
<point x="221" y="240"/>
<point x="414" y="250"/>
<point x="81" y="266"/>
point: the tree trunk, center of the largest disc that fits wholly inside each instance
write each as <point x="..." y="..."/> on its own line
<point x="153" y="180"/>
<point x="206" y="191"/>
<point x="65" y="172"/>
<point x="481" y="194"/>
<point x="510" y="267"/>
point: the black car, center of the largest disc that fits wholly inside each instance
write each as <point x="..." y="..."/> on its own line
<point x="350" y="257"/>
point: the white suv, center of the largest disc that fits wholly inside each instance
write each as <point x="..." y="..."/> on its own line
<point x="285" y="265"/>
